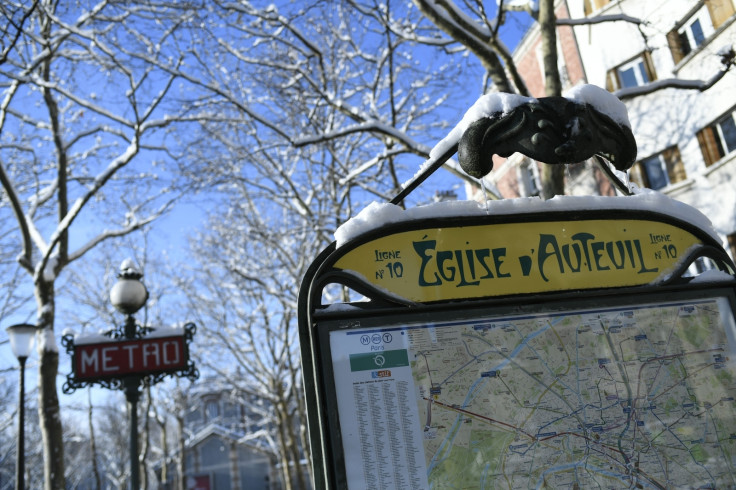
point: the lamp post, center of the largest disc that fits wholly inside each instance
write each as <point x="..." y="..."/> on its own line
<point x="129" y="295"/>
<point x="21" y="342"/>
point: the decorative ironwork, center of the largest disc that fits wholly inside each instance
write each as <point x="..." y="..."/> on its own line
<point x="118" y="383"/>
<point x="552" y="130"/>
<point x="189" y="330"/>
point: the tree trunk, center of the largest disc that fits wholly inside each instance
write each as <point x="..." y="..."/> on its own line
<point x="552" y="176"/>
<point x="181" y="479"/>
<point x="48" y="400"/>
<point x="145" y="447"/>
<point x="294" y="451"/>
<point x="303" y="435"/>
<point x="92" y="442"/>
<point x="165" y="451"/>
<point x="283" y="445"/>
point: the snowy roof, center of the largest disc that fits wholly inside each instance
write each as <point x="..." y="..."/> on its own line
<point x="379" y="214"/>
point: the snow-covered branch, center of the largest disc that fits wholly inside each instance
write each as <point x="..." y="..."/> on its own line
<point x="78" y="205"/>
<point x="24" y="259"/>
<point x="108" y="234"/>
<point x="599" y="19"/>
<point x="677" y="83"/>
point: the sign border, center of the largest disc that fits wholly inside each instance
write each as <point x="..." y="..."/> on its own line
<point x="558" y="303"/>
<point x="327" y="455"/>
<point x="72" y="383"/>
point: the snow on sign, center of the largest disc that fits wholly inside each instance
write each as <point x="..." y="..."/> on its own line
<point x="578" y="244"/>
<point x="109" y="359"/>
<point x="125" y="357"/>
<point x="509" y="258"/>
<point x="526" y="344"/>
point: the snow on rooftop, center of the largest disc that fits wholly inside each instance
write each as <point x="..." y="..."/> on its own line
<point x="378" y="214"/>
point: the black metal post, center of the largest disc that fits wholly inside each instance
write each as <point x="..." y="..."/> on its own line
<point x="20" y="483"/>
<point x="131" y="396"/>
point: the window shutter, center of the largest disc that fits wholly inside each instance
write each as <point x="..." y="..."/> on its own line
<point x="720" y="11"/>
<point x="649" y="66"/>
<point x="638" y="176"/>
<point x="673" y="40"/>
<point x="732" y="243"/>
<point x="590" y="6"/>
<point x="708" y="146"/>
<point x="612" y="80"/>
<point x="675" y="167"/>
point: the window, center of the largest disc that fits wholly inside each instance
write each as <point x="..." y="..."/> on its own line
<point x="634" y="73"/>
<point x="446" y="195"/>
<point x="590" y="6"/>
<point x="697" y="26"/>
<point x="529" y="179"/>
<point x="212" y="409"/>
<point x="700" y="265"/>
<point x="194" y="417"/>
<point x="659" y="170"/>
<point x="718" y="139"/>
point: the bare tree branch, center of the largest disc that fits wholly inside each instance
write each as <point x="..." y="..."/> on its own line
<point x="699" y="85"/>
<point x="599" y="19"/>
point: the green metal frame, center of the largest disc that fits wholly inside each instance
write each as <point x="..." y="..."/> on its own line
<point x="317" y="320"/>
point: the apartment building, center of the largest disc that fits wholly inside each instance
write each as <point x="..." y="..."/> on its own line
<point x="685" y="126"/>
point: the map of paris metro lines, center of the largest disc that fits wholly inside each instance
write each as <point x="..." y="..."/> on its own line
<point x="632" y="397"/>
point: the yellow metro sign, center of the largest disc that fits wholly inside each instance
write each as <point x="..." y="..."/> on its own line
<point x="486" y="260"/>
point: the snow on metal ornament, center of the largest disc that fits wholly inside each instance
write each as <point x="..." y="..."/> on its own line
<point x="587" y="123"/>
<point x="552" y="130"/>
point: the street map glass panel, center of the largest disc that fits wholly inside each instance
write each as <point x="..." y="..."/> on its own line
<point x="631" y="397"/>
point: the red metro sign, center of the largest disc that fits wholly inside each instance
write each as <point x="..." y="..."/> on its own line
<point x="113" y="359"/>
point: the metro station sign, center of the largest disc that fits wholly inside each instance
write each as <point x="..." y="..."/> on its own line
<point x="508" y="349"/>
<point x="122" y="358"/>
<point x="482" y="260"/>
<point x="107" y="361"/>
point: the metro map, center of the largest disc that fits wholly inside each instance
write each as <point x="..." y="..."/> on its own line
<point x="635" y="397"/>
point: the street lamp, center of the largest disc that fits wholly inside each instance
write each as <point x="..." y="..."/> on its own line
<point x="21" y="342"/>
<point x="129" y="295"/>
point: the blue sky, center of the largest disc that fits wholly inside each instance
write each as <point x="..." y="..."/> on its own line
<point x="173" y="230"/>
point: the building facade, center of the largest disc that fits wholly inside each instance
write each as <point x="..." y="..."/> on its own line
<point x="224" y="445"/>
<point x="686" y="137"/>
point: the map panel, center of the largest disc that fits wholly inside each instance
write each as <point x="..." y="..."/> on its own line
<point x="637" y="397"/>
<point x="634" y="397"/>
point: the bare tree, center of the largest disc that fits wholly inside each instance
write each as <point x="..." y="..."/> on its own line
<point x="353" y="104"/>
<point x="87" y="150"/>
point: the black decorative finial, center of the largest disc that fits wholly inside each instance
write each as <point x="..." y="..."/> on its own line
<point x="550" y="130"/>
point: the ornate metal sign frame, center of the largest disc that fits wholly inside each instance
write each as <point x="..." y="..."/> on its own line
<point x="455" y="289"/>
<point x="467" y="269"/>
<point x="118" y="382"/>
